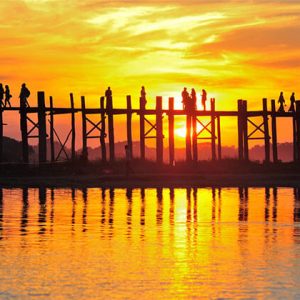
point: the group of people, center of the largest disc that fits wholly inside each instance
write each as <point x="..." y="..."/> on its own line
<point x="281" y="102"/>
<point x="189" y="101"/>
<point x="5" y="96"/>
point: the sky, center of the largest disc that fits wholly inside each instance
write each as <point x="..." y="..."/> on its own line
<point x="233" y="49"/>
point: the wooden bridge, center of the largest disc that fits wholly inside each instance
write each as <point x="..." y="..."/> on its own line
<point x="103" y="128"/>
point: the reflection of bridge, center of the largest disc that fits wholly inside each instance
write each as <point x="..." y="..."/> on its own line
<point x="106" y="213"/>
<point x="252" y="125"/>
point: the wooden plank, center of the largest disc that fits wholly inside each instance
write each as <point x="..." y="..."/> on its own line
<point x="111" y="136"/>
<point x="274" y="131"/>
<point x="103" y="128"/>
<point x="52" y="150"/>
<point x="240" y="130"/>
<point x="171" y="132"/>
<point x="245" y="130"/>
<point x="142" y="128"/>
<point x="1" y="134"/>
<point x="266" y="131"/>
<point x="42" y="128"/>
<point x="188" y="142"/>
<point x="84" y="154"/>
<point x="213" y="130"/>
<point x="73" y="126"/>
<point x="159" y="131"/>
<point x="219" y="138"/>
<point x="298" y="129"/>
<point x="129" y="125"/>
<point x="194" y="136"/>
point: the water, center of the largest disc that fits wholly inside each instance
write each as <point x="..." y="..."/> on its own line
<point x="150" y="244"/>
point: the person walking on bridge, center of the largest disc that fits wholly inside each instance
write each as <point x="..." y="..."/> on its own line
<point x="108" y="94"/>
<point x="185" y="98"/>
<point x="293" y="100"/>
<point x="281" y="101"/>
<point x="203" y="99"/>
<point x="7" y="97"/>
<point x="24" y="94"/>
<point x="143" y="97"/>
<point x="1" y="95"/>
<point x="194" y="99"/>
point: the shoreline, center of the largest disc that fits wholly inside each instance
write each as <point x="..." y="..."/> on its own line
<point x="152" y="181"/>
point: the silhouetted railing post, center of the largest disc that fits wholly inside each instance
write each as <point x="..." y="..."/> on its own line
<point x="240" y="130"/>
<point x="129" y="125"/>
<point x="194" y="136"/>
<point x="294" y="138"/>
<point x="142" y="129"/>
<point x="84" y="137"/>
<point x="171" y="131"/>
<point x="73" y="137"/>
<point x="219" y="138"/>
<point x="111" y="137"/>
<point x="245" y="131"/>
<point x="52" y="150"/>
<point x="213" y="129"/>
<point x="298" y="128"/>
<point x="266" y="131"/>
<point x="188" y="146"/>
<point x="159" y="131"/>
<point x="102" y="134"/>
<point x="1" y="134"/>
<point x="274" y="132"/>
<point x="42" y="128"/>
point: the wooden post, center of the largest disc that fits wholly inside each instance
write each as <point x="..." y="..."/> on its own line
<point x="274" y="132"/>
<point x="171" y="131"/>
<point x="219" y="138"/>
<point x="23" y="115"/>
<point x="295" y="138"/>
<point x="102" y="133"/>
<point x="240" y="130"/>
<point x="159" y="131"/>
<point x="129" y="125"/>
<point x="111" y="137"/>
<point x="188" y="145"/>
<point x="73" y="137"/>
<point x="42" y="128"/>
<point x="298" y="129"/>
<point x="213" y="129"/>
<point x="245" y="131"/>
<point x="194" y="135"/>
<point x="142" y="128"/>
<point x="84" y="137"/>
<point x="52" y="150"/>
<point x="266" y="130"/>
<point x="1" y="134"/>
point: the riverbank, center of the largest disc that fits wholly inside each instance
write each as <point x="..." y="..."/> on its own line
<point x="225" y="173"/>
<point x="154" y="180"/>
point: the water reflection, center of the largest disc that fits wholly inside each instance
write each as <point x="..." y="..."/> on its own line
<point x="164" y="198"/>
<point x="170" y="238"/>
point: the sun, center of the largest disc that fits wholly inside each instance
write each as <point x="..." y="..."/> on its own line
<point x="180" y="132"/>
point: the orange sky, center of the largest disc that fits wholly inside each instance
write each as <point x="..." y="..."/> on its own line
<point x="234" y="49"/>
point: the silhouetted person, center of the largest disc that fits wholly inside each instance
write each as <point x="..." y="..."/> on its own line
<point x="281" y="101"/>
<point x="1" y="95"/>
<point x="108" y="94"/>
<point x="128" y="157"/>
<point x="203" y="99"/>
<point x="24" y="94"/>
<point x="194" y="99"/>
<point x="185" y="98"/>
<point x="143" y="96"/>
<point x="7" y="96"/>
<point x="293" y="100"/>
